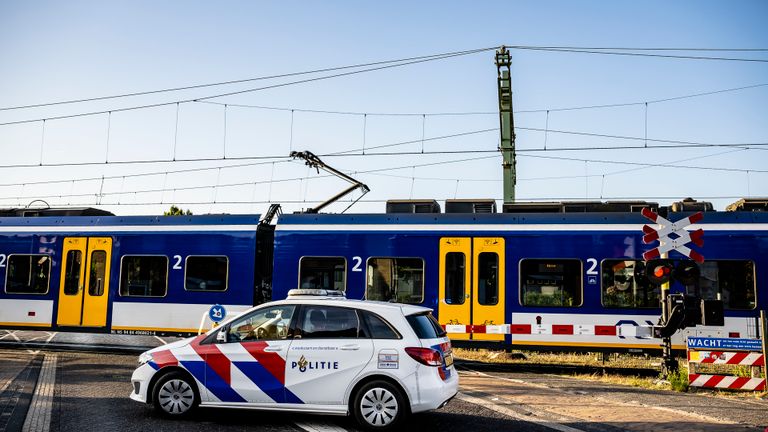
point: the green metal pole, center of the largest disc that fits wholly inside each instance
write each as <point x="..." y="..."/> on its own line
<point x="506" y="123"/>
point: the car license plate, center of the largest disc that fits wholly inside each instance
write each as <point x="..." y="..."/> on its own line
<point x="449" y="359"/>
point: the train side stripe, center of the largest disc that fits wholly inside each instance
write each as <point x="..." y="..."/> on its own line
<point x="126" y="228"/>
<point x="509" y="227"/>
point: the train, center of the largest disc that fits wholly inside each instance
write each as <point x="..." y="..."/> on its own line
<point x="542" y="276"/>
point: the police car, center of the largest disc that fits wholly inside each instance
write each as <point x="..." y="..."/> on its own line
<point x="315" y="352"/>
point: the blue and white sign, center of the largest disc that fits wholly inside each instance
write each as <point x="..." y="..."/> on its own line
<point x="725" y="344"/>
<point x="217" y="313"/>
<point x="592" y="280"/>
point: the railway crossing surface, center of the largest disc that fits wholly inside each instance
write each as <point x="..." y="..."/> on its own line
<point x="58" y="389"/>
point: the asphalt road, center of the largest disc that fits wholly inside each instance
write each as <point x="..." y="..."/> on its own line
<point x="91" y="393"/>
<point x="44" y="388"/>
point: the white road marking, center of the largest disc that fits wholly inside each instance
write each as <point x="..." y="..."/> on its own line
<point x="52" y="335"/>
<point x="636" y="404"/>
<point x="13" y="335"/>
<point x="485" y="403"/>
<point x="320" y="427"/>
<point x="161" y="340"/>
<point x="39" y="414"/>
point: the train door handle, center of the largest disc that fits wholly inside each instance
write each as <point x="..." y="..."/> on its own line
<point x="350" y="347"/>
<point x="273" y="349"/>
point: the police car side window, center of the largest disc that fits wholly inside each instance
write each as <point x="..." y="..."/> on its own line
<point x="378" y="328"/>
<point x="328" y="322"/>
<point x="270" y="323"/>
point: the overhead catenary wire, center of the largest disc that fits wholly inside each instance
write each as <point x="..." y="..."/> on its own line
<point x="357" y="153"/>
<point x="255" y="89"/>
<point x="238" y="81"/>
<point x="412" y="177"/>
<point x="628" y="52"/>
<point x="329" y="69"/>
<point x="244" y="183"/>
<point x="495" y="113"/>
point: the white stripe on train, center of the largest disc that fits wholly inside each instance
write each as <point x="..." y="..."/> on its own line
<point x="508" y="227"/>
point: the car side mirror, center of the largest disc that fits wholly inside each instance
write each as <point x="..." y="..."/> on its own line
<point x="221" y="336"/>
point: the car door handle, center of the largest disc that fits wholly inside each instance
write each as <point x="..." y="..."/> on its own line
<point x="350" y="347"/>
<point x="273" y="349"/>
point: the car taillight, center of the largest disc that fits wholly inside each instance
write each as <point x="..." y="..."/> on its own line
<point x="425" y="356"/>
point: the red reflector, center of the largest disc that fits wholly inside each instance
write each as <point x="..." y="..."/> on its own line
<point x="734" y="334"/>
<point x="31" y="313"/>
<point x="425" y="356"/>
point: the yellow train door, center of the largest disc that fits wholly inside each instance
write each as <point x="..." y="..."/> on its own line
<point x="471" y="284"/>
<point x="455" y="283"/>
<point x="488" y="285"/>
<point x="84" y="288"/>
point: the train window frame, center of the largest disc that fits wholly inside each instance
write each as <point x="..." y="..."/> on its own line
<point x="186" y="266"/>
<point x="520" y="282"/>
<point x="463" y="279"/>
<point x="754" y="282"/>
<point x="64" y="279"/>
<point x="346" y="268"/>
<point x="496" y="282"/>
<point x="167" y="275"/>
<point x="602" y="303"/>
<point x="423" y="273"/>
<point x="7" y="271"/>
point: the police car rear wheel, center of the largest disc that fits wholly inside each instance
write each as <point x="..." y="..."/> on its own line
<point x="379" y="405"/>
<point x="174" y="395"/>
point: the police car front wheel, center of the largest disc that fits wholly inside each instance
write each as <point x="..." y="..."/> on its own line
<point x="174" y="395"/>
<point x="379" y="405"/>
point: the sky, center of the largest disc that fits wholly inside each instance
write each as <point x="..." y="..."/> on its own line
<point x="57" y="51"/>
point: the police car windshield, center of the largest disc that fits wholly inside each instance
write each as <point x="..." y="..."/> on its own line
<point x="425" y="326"/>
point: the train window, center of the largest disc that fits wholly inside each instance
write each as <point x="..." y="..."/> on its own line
<point x="206" y="273"/>
<point x="144" y="276"/>
<point x="551" y="282"/>
<point x="488" y="281"/>
<point x="98" y="269"/>
<point x="395" y="279"/>
<point x="323" y="273"/>
<point x="28" y="274"/>
<point x="626" y="286"/>
<point x="454" y="278"/>
<point x="731" y="281"/>
<point x="74" y="262"/>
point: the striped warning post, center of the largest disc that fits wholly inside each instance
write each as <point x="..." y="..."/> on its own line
<point x="726" y="382"/>
<point x="728" y="358"/>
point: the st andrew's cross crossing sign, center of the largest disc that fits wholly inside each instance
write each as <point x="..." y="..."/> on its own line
<point x="673" y="236"/>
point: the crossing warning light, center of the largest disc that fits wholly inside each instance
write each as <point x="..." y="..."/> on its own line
<point x="687" y="273"/>
<point x="659" y="271"/>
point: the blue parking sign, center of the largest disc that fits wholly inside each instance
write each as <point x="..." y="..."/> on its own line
<point x="217" y="313"/>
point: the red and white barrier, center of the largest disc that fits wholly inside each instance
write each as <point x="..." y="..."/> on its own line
<point x="726" y="382"/>
<point x="728" y="358"/>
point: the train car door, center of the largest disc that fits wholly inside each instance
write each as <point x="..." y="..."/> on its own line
<point x="488" y="285"/>
<point x="84" y="289"/>
<point x="471" y="284"/>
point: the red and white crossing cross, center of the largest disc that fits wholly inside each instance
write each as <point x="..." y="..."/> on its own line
<point x="673" y="236"/>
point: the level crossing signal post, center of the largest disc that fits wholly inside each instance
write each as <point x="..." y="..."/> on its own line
<point x="678" y="311"/>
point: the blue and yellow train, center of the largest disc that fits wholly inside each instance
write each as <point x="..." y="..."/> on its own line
<point x="539" y="277"/>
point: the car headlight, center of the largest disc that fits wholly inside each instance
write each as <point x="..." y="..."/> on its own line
<point x="145" y="358"/>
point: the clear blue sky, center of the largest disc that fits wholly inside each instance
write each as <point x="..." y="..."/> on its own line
<point x="54" y="51"/>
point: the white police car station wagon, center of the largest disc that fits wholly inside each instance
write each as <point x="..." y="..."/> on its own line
<point x="315" y="353"/>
